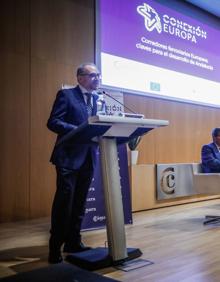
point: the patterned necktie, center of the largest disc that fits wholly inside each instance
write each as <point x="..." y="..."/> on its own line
<point x="89" y="103"/>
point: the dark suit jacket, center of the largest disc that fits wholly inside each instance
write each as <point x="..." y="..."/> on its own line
<point x="210" y="158"/>
<point x="68" y="112"/>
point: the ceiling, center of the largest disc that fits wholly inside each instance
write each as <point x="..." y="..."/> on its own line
<point x="212" y="6"/>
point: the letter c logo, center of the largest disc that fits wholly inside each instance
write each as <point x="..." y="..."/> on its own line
<point x="168" y="181"/>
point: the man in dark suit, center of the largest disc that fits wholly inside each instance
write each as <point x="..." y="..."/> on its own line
<point x="74" y="162"/>
<point x="211" y="154"/>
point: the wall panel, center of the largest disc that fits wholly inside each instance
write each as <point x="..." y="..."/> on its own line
<point x="190" y="127"/>
<point x="14" y="110"/>
<point x="14" y="141"/>
<point x="58" y="35"/>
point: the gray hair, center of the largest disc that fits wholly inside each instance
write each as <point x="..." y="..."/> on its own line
<point x="81" y="68"/>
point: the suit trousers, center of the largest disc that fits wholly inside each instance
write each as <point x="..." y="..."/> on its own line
<point x="69" y="204"/>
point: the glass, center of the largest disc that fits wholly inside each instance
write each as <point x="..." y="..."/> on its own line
<point x="92" y="75"/>
<point x="101" y="107"/>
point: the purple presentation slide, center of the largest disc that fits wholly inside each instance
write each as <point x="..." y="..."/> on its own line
<point x="151" y="43"/>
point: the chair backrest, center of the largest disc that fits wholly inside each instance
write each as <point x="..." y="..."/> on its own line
<point x="196" y="168"/>
<point x="205" y="183"/>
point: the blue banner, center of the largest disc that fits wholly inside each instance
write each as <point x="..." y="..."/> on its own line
<point x="95" y="206"/>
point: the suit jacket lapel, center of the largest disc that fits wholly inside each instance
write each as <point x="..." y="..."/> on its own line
<point x="94" y="106"/>
<point x="216" y="150"/>
<point x="80" y="98"/>
<point x="79" y="95"/>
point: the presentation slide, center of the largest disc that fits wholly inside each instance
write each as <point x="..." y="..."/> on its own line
<point x="148" y="48"/>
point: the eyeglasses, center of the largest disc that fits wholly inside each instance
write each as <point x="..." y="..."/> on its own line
<point x="92" y="75"/>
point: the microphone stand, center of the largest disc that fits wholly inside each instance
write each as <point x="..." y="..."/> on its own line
<point x="133" y="112"/>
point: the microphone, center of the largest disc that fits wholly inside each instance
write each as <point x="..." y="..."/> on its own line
<point x="134" y="114"/>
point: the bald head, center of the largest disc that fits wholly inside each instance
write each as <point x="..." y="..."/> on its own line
<point x="88" y="76"/>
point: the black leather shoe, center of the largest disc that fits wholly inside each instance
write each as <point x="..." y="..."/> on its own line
<point x="75" y="248"/>
<point x="55" y="257"/>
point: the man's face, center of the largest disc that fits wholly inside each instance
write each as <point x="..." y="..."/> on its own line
<point x="90" y="78"/>
<point x="217" y="140"/>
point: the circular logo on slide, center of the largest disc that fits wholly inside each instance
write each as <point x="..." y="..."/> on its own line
<point x="151" y="18"/>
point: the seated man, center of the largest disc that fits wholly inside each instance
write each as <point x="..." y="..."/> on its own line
<point x="211" y="154"/>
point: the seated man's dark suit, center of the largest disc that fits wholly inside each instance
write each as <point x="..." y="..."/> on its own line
<point x="74" y="165"/>
<point x="210" y="158"/>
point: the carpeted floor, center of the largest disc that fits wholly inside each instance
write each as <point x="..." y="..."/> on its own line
<point x="57" y="273"/>
<point x="30" y="264"/>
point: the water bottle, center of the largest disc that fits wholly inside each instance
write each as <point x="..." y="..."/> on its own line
<point x="101" y="107"/>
